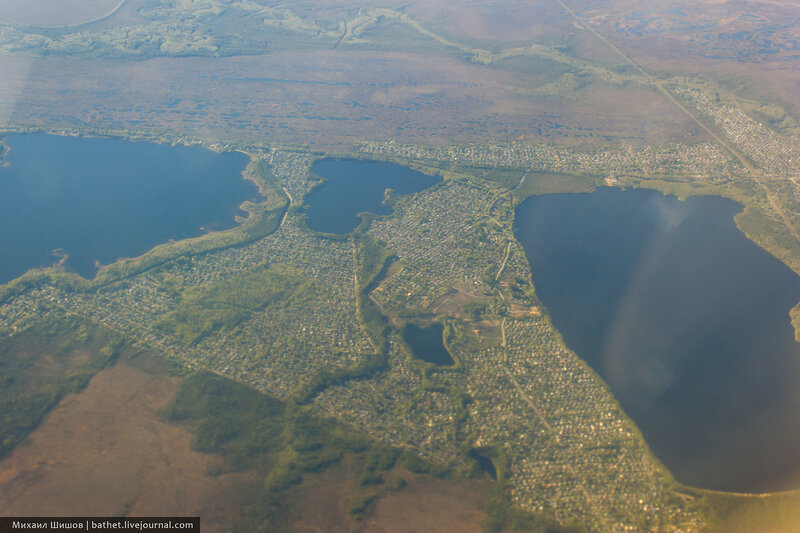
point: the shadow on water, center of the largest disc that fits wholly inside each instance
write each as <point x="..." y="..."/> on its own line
<point x="428" y="344"/>
<point x="686" y="320"/>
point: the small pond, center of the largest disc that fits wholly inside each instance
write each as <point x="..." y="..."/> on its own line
<point x="427" y="343"/>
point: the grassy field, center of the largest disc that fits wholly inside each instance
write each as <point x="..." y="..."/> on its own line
<point x="218" y="309"/>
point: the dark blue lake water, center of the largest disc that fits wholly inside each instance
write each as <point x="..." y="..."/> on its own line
<point x="428" y="343"/>
<point x="354" y="186"/>
<point x="686" y="320"/>
<point x="100" y="199"/>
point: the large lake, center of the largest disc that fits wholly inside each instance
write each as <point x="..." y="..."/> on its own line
<point x="354" y="186"/>
<point x="99" y="199"/>
<point x="685" y="319"/>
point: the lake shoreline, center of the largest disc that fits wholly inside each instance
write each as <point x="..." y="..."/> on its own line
<point x="247" y="208"/>
<point x="602" y="319"/>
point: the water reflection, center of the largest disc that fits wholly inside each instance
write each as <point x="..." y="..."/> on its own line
<point x="685" y="319"/>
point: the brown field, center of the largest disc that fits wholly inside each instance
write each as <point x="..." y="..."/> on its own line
<point x="424" y="504"/>
<point x="400" y="84"/>
<point x="107" y="451"/>
<point x="486" y="330"/>
<point x="431" y="505"/>
<point x="508" y="22"/>
<point x="752" y="43"/>
<point x="521" y="311"/>
<point x="453" y="302"/>
<point x="328" y="99"/>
